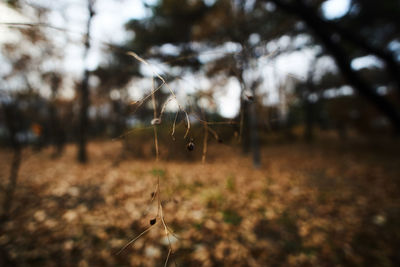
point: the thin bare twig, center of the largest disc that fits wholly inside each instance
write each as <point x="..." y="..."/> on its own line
<point x="136" y="238"/>
<point x="164" y="83"/>
<point x="203" y="158"/>
<point x="153" y="98"/>
<point x="173" y="126"/>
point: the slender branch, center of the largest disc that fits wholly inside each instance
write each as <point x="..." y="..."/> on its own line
<point x="341" y="58"/>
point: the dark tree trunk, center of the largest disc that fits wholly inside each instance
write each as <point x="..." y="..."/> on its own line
<point x="244" y="134"/>
<point x="12" y="183"/>
<point x="387" y="56"/>
<point x="342" y="59"/>
<point x="254" y="140"/>
<point x="244" y="130"/>
<point x="56" y="128"/>
<point x="83" y="119"/>
<point x="12" y="120"/>
<point x="248" y="123"/>
<point x="84" y="94"/>
<point x="309" y="120"/>
<point x="310" y="105"/>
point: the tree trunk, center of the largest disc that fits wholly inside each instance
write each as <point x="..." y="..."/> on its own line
<point x="84" y="94"/>
<point x="12" y="119"/>
<point x="309" y="120"/>
<point x="83" y="119"/>
<point x="254" y="140"/>
<point x="387" y="56"/>
<point x="244" y="130"/>
<point x="12" y="183"/>
<point x="342" y="59"/>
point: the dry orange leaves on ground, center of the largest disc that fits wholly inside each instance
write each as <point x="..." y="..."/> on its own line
<point x="307" y="205"/>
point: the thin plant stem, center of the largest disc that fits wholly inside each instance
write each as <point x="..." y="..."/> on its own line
<point x="205" y="141"/>
<point x="153" y="98"/>
<point x="174" y="126"/>
<point x="134" y="239"/>
<point x="164" y="83"/>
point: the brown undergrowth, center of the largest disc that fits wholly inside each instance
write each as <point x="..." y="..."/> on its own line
<point x="308" y="205"/>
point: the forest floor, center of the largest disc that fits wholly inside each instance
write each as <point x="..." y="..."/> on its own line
<point x="308" y="205"/>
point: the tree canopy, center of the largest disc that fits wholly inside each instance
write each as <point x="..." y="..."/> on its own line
<point x="178" y="32"/>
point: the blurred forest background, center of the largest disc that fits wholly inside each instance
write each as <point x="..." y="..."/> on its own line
<point x="266" y="131"/>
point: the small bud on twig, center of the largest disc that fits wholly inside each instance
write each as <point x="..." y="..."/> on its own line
<point x="248" y="95"/>
<point x="190" y="145"/>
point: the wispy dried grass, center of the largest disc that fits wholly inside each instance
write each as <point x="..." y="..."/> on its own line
<point x="163" y="83"/>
